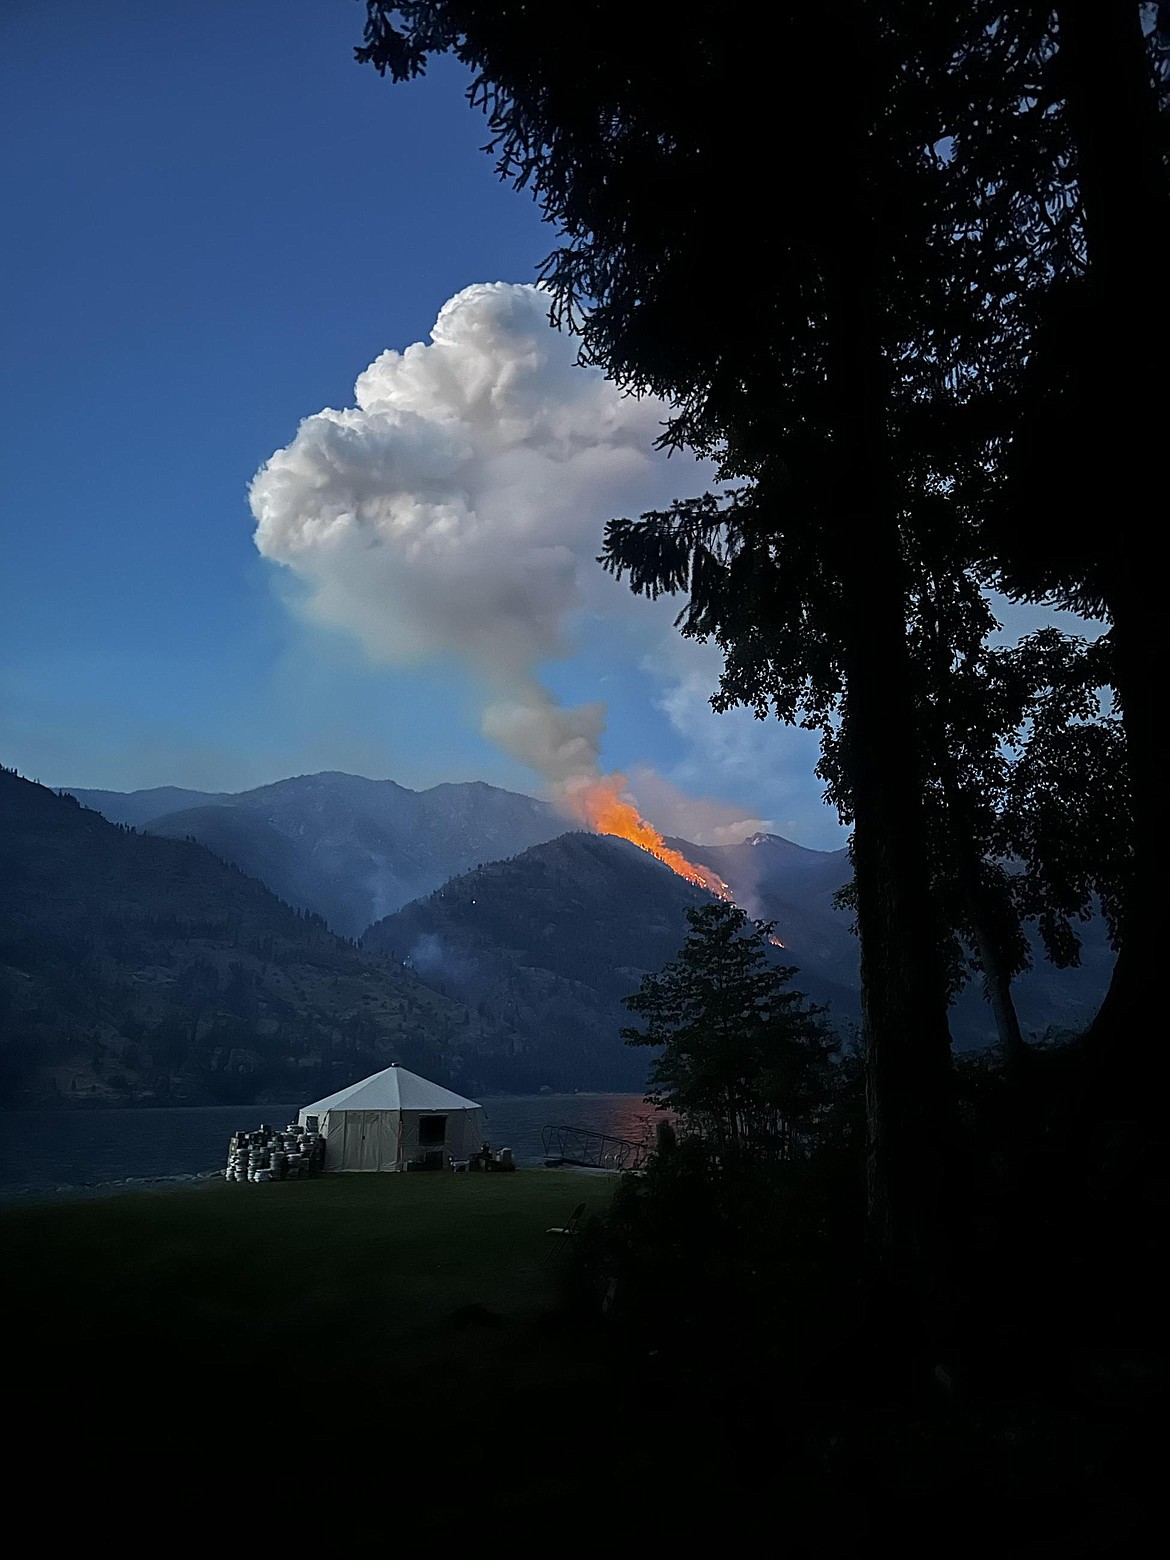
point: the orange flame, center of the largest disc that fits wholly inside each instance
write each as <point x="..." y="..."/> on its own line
<point x="598" y="804"/>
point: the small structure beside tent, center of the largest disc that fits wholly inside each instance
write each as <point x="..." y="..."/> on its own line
<point x="395" y="1120"/>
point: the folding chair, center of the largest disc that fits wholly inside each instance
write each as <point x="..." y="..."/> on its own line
<point x="565" y="1232"/>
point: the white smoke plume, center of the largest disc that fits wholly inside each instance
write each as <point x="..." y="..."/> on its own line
<point x="457" y="509"/>
<point x="560" y="744"/>
<point x="456" y="512"/>
<point x="701" y="819"/>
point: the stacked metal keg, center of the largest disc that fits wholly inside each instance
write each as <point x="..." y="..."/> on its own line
<point x="271" y="1155"/>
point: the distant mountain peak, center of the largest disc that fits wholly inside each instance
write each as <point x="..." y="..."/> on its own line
<point x="781" y="841"/>
<point x="470" y="785"/>
<point x="350" y="848"/>
<point x="322" y="779"/>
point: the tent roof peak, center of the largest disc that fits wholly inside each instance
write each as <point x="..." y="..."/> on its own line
<point x="394" y="1088"/>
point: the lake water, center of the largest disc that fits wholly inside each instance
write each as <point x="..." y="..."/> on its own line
<point x="44" y="1152"/>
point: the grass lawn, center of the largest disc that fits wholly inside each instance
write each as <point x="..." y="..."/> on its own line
<point x="345" y="1261"/>
<point x="349" y="1327"/>
<point x="391" y="1358"/>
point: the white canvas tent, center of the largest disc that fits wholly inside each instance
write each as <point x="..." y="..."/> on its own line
<point x="393" y="1118"/>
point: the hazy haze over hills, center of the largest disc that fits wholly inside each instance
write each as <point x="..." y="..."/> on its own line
<point x="350" y="849"/>
<point x="137" y="808"/>
<point x="782" y="882"/>
<point x="547" y="944"/>
<point x="553" y="938"/>
<point x="356" y="850"/>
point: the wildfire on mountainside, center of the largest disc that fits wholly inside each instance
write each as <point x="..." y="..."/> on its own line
<point x="598" y="804"/>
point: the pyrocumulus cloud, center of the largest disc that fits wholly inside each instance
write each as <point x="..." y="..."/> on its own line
<point x="457" y="509"/>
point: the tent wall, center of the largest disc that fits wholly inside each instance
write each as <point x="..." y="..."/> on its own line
<point x="361" y="1140"/>
<point x="465" y="1133"/>
<point x="373" y="1140"/>
<point x="463" y="1138"/>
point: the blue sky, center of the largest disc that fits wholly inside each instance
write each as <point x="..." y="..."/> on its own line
<point x="216" y="221"/>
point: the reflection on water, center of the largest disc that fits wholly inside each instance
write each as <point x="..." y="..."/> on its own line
<point x="45" y="1151"/>
<point x="516" y="1121"/>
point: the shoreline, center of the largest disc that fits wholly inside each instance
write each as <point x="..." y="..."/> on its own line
<point x="26" y="1196"/>
<point x="85" y="1191"/>
<point x="63" y="1105"/>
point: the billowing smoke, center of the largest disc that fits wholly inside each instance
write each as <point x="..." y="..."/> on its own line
<point x="701" y="819"/>
<point x="456" y="511"/>
<point x="561" y="744"/>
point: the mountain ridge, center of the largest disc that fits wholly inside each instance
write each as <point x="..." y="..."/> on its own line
<point x="358" y="851"/>
<point x="346" y="847"/>
<point x="548" y="942"/>
<point x="140" y="969"/>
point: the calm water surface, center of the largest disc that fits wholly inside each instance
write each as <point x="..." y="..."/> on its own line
<point x="44" y="1152"/>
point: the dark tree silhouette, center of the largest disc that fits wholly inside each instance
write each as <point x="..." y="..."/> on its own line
<point x="1061" y="188"/>
<point x="1026" y="795"/>
<point x="1065" y="812"/>
<point x="743" y="1059"/>
<point x="791" y="362"/>
<point x="992" y="723"/>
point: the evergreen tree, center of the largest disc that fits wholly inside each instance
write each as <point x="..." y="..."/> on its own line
<point x="744" y="1061"/>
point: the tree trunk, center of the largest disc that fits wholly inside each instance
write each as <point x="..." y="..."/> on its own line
<point x="1126" y="201"/>
<point x="1126" y="1052"/>
<point x="912" y="1159"/>
<point x="911" y="1110"/>
<point x="910" y="1094"/>
<point x="997" y="988"/>
<point x="997" y="980"/>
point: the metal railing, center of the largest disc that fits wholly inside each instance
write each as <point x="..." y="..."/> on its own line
<point x="594" y="1150"/>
